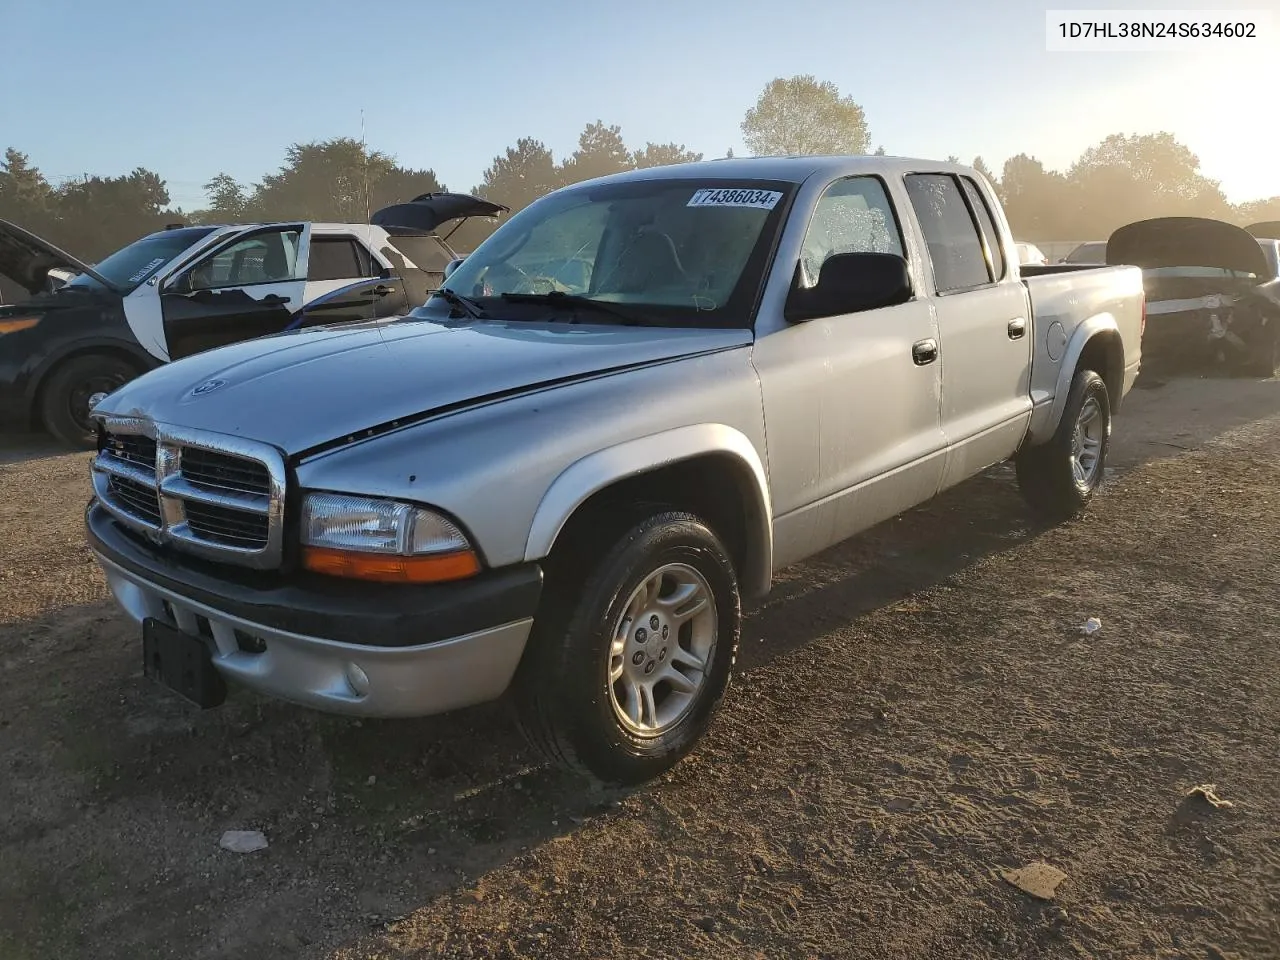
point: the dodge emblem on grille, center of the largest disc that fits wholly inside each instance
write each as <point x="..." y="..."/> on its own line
<point x="207" y="387"/>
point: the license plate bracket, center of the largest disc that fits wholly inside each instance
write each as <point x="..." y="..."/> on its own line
<point x="182" y="663"/>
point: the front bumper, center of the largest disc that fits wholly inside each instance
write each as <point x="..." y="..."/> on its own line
<point x="358" y="653"/>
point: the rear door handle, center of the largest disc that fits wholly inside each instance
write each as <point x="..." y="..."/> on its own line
<point x="924" y="352"/>
<point x="1017" y="329"/>
<point x="381" y="290"/>
<point x="274" y="300"/>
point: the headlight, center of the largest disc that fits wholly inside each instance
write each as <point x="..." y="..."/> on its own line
<point x="372" y="539"/>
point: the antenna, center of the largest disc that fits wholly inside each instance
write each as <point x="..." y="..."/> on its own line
<point x="364" y="152"/>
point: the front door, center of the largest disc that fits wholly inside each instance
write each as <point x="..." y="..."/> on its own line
<point x="249" y="287"/>
<point x="984" y="325"/>
<point x="851" y="402"/>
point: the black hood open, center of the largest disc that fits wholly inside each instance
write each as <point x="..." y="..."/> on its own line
<point x="1187" y="242"/>
<point x="428" y="211"/>
<point x="1266" y="230"/>
<point x="26" y="260"/>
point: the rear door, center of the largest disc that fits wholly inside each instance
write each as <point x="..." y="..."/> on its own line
<point x="983" y="319"/>
<point x="249" y="286"/>
<point x="347" y="282"/>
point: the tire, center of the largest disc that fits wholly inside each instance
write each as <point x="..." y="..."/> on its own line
<point x="64" y="400"/>
<point x="1056" y="478"/>
<point x="1264" y="358"/>
<point x="567" y="705"/>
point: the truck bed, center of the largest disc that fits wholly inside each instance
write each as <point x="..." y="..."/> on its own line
<point x="1065" y="297"/>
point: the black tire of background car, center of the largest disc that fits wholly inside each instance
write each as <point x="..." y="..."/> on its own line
<point x="1044" y="472"/>
<point x="561" y="690"/>
<point x="1263" y="359"/>
<point x="64" y="396"/>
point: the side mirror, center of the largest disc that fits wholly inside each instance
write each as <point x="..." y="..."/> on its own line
<point x="452" y="265"/>
<point x="849" y="283"/>
<point x="180" y="285"/>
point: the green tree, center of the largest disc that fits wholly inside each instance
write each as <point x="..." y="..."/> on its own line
<point x="800" y="115"/>
<point x="323" y="180"/>
<point x="1127" y="178"/>
<point x="1036" y="201"/>
<point x="228" y="201"/>
<point x="98" y="215"/>
<point x="25" y="195"/>
<point x="1257" y="211"/>
<point x="662" y="154"/>
<point x="981" y="167"/>
<point x="601" y="151"/>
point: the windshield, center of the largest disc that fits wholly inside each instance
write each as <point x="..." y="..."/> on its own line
<point x="673" y="252"/>
<point x="1088" y="253"/>
<point x="132" y="265"/>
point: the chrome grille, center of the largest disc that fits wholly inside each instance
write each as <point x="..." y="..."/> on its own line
<point x="213" y="496"/>
<point x="217" y="471"/>
<point x="139" y="498"/>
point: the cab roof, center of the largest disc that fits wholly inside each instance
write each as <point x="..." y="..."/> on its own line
<point x="791" y="169"/>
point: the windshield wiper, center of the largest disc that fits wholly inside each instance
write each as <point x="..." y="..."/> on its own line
<point x="558" y="298"/>
<point x="465" y="304"/>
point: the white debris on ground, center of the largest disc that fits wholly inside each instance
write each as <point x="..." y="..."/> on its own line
<point x="1038" y="879"/>
<point x="243" y="841"/>
<point x="1091" y="626"/>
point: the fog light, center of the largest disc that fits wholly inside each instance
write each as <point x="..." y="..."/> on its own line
<point x="358" y="680"/>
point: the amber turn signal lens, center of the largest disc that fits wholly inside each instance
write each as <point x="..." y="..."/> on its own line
<point x="13" y="326"/>
<point x="389" y="568"/>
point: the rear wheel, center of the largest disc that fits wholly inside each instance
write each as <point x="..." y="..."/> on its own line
<point x="1264" y="358"/>
<point x="627" y="665"/>
<point x="71" y="392"/>
<point x="1059" y="478"/>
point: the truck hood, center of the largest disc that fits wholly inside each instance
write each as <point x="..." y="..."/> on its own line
<point x="302" y="390"/>
<point x="428" y="211"/>
<point x="26" y="260"/>
<point x="1187" y="242"/>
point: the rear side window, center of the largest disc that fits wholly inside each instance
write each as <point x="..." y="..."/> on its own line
<point x="955" y="249"/>
<point x="989" y="233"/>
<point x="338" y="258"/>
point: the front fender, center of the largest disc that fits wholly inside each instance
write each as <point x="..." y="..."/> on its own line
<point x="1046" y="419"/>
<point x="598" y="470"/>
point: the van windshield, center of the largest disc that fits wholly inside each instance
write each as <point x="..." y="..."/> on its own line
<point x="667" y="252"/>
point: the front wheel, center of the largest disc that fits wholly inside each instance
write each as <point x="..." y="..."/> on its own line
<point x="73" y="390"/>
<point x="626" y="667"/>
<point x="1059" y="478"/>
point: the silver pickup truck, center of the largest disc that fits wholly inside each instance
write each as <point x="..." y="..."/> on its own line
<point x="561" y="476"/>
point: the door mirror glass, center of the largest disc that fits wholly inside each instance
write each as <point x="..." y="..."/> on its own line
<point x="849" y="283"/>
<point x="452" y="265"/>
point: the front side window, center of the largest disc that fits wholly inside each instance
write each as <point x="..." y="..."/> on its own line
<point x="678" y="252"/>
<point x="955" y="249"/>
<point x="853" y="215"/>
<point x="270" y="256"/>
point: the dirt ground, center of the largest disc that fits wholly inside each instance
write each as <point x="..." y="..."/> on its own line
<point x="916" y="712"/>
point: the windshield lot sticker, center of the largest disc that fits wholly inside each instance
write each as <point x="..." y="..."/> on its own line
<point x="145" y="271"/>
<point x="728" y="197"/>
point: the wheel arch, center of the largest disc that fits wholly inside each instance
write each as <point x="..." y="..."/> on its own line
<point x="711" y="469"/>
<point x="135" y="356"/>
<point x="1095" y="345"/>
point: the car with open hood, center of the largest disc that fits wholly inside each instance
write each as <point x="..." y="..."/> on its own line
<point x="1213" y="293"/>
<point x="85" y="330"/>
<point x="563" y="475"/>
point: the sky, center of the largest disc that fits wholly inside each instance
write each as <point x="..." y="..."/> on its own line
<point x="191" y="90"/>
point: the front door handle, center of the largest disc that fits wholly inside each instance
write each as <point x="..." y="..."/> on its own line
<point x="274" y="300"/>
<point x="1017" y="329"/>
<point x="381" y="290"/>
<point x="924" y="352"/>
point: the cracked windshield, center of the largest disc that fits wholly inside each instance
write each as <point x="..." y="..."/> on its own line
<point x="586" y="480"/>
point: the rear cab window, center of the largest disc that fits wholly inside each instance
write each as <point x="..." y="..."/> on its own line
<point x="951" y="232"/>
